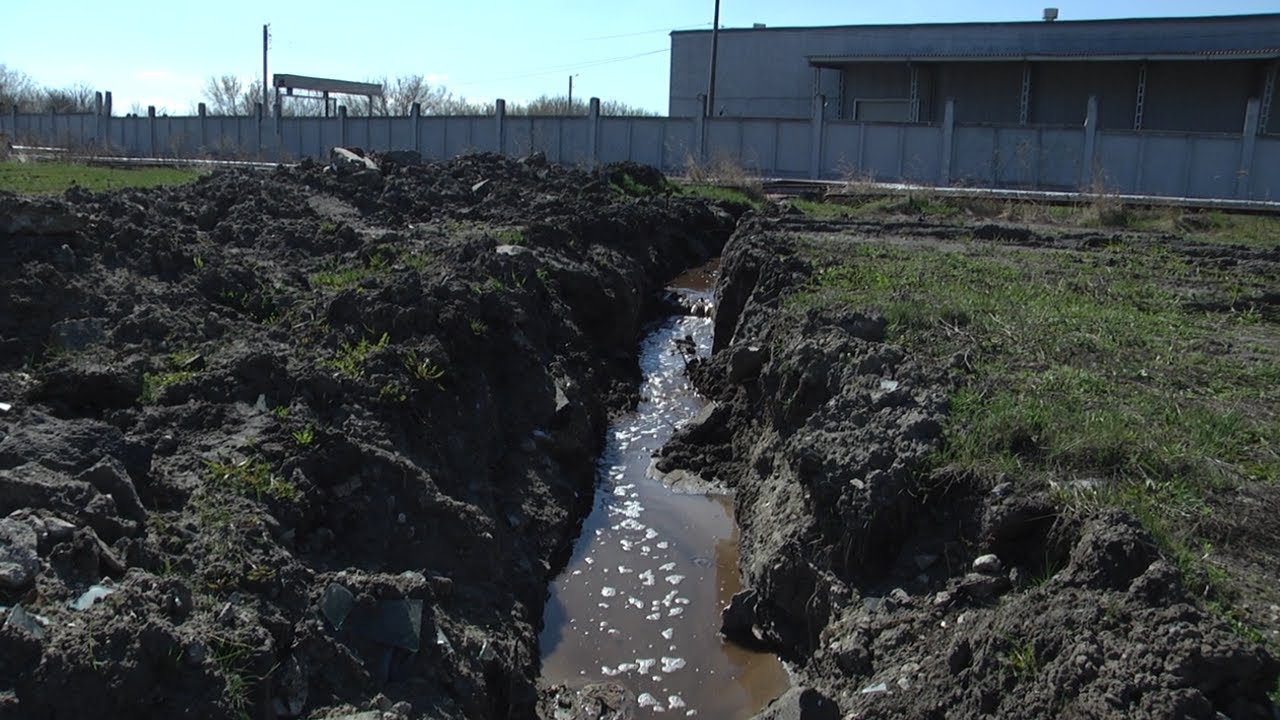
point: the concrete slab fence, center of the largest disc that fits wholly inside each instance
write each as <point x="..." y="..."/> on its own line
<point x="947" y="153"/>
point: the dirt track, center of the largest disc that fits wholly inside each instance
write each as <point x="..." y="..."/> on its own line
<point x="322" y="437"/>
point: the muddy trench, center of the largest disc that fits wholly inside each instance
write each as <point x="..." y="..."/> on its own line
<point x="639" y="603"/>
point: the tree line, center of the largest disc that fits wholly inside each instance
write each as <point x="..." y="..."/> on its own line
<point x="231" y="95"/>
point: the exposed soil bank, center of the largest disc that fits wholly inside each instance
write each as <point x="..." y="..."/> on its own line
<point x="907" y="591"/>
<point x="310" y="441"/>
<point x="639" y="603"/>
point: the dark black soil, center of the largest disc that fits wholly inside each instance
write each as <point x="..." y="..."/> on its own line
<point x="903" y="590"/>
<point x="320" y="438"/>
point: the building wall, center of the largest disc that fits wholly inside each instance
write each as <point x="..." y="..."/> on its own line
<point x="765" y="72"/>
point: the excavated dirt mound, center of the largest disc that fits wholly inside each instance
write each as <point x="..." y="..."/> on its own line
<point x="310" y="441"/>
<point x="904" y="591"/>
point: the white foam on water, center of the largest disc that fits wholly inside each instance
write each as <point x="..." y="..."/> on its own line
<point x="674" y="579"/>
<point x="677" y="610"/>
<point x="675" y="701"/>
<point x="623" y="570"/>
<point x="668" y="633"/>
<point x="647" y="700"/>
<point x="667" y="567"/>
<point x="664" y="545"/>
<point x="608" y="591"/>
<point x="653" y="616"/>
<point x="650" y="534"/>
<point x="636" y="603"/>
<point x="644" y="664"/>
<point x="646" y="578"/>
<point x="672" y="664"/>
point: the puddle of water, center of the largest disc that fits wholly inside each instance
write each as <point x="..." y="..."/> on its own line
<point x="639" y="602"/>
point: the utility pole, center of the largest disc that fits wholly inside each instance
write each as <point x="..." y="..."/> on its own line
<point x="715" y="46"/>
<point x="570" y="110"/>
<point x="266" y="107"/>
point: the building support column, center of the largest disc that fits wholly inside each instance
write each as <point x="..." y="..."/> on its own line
<point x="1268" y="98"/>
<point x="948" y="141"/>
<point x="1249" y="141"/>
<point x="1024" y="96"/>
<point x="1089" y="156"/>
<point x="815" y="144"/>
<point x="1140" y="97"/>
<point x="914" y="71"/>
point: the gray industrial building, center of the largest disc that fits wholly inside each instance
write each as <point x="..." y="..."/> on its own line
<point x="1193" y="75"/>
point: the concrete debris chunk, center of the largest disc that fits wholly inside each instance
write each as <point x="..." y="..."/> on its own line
<point x="336" y="604"/>
<point x="91" y="596"/>
<point x="23" y="620"/>
<point x="19" y="560"/>
<point x="396" y="623"/>
<point x="987" y="565"/>
<point x="342" y="158"/>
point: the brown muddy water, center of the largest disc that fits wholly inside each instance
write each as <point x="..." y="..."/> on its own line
<point x="639" y="602"/>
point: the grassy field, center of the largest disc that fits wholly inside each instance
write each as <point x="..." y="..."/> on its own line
<point x="1130" y="375"/>
<point x="51" y="177"/>
<point x="1212" y="226"/>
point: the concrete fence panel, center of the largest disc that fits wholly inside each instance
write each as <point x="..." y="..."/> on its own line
<point x="1265" y="181"/>
<point x="1117" y="163"/>
<point x="1214" y="166"/>
<point x="679" y="143"/>
<point x="794" y="139"/>
<point x="1060" y="157"/>
<point x="648" y="140"/>
<point x="1049" y="158"/>
<point x="614" y="139"/>
<point x="974" y="161"/>
<point x="921" y="153"/>
<point x="1166" y="165"/>
<point x="724" y="138"/>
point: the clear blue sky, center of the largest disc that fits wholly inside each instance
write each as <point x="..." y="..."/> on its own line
<point x="161" y="53"/>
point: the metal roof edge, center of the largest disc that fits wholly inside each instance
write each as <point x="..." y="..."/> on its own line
<point x="1000" y="23"/>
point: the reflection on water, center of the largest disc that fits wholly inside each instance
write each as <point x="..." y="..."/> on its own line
<point x="639" y="602"/>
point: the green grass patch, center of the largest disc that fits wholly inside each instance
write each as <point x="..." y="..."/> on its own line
<point x="51" y="177"/>
<point x="350" y="358"/>
<point x="1084" y="365"/>
<point x="250" y="478"/>
<point x="335" y="275"/>
<point x="720" y="193"/>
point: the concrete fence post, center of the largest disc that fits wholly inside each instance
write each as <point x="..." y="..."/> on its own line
<point x="203" y="111"/>
<point x="97" y="120"/>
<point x="1248" y="143"/>
<point x="1089" y="157"/>
<point x="593" y="131"/>
<point x="277" y="117"/>
<point x="948" y="141"/>
<point x="416" y="114"/>
<point x="151" y="131"/>
<point x="342" y="125"/>
<point x="106" y="119"/>
<point x="257" y="112"/>
<point x="815" y="145"/>
<point x="500" y="126"/>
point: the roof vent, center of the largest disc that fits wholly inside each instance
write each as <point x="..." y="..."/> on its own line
<point x="758" y="26"/>
<point x="1050" y="14"/>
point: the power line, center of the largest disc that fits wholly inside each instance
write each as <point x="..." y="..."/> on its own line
<point x="564" y="68"/>
<point x="648" y="32"/>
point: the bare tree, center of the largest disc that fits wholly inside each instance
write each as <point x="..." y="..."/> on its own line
<point x="73" y="99"/>
<point x="229" y="95"/>
<point x="559" y="105"/>
<point x="17" y="89"/>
